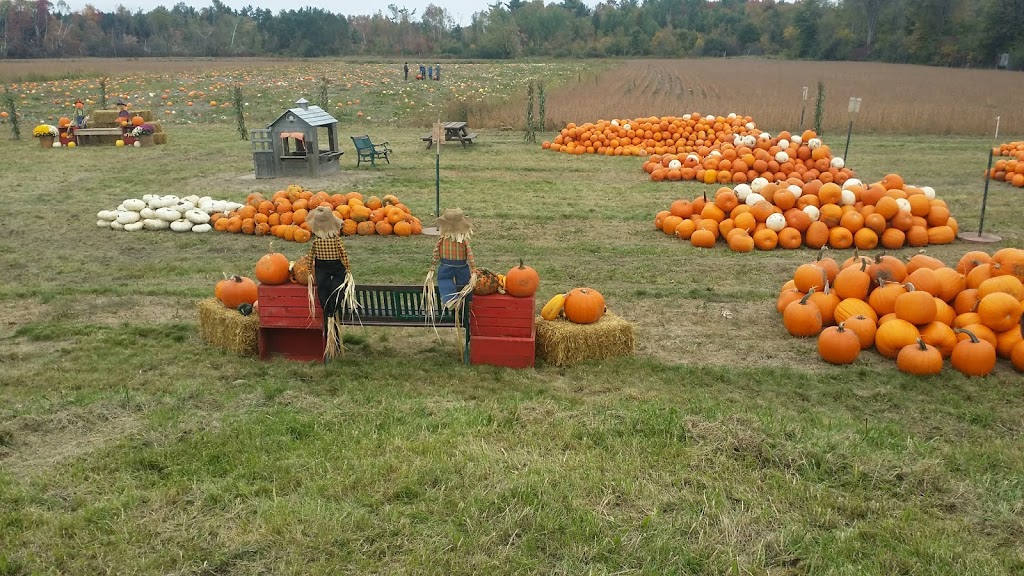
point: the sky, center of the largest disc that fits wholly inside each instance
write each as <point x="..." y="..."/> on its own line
<point x="461" y="10"/>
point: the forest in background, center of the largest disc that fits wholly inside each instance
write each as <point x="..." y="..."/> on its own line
<point x="961" y="33"/>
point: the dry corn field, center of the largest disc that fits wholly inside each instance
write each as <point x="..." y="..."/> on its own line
<point x="896" y="99"/>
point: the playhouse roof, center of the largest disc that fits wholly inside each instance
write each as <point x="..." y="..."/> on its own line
<point x="312" y="115"/>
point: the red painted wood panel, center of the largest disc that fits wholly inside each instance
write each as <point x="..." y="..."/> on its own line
<point x="292" y="343"/>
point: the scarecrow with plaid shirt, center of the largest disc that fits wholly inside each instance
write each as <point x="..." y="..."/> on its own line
<point x="335" y="285"/>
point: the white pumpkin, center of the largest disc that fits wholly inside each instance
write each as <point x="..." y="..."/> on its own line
<point x="184" y="206"/>
<point x="615" y="123"/>
<point x="197" y="216"/>
<point x="626" y="127"/>
<point x="781" y="156"/>
<point x="742" y="191"/>
<point x="674" y="165"/>
<point x="115" y="225"/>
<point x="753" y="198"/>
<point x="103" y="223"/>
<point x="904" y="204"/>
<point x="838" y="163"/>
<point x="717" y="153"/>
<point x="758" y="183"/>
<point x="181" y="226"/>
<point x="147" y="197"/>
<point x="120" y="208"/>
<point x="156" y="224"/>
<point x="147" y="212"/>
<point x="133" y="227"/>
<point x="107" y="215"/>
<point x="929" y="192"/>
<point x="765" y="136"/>
<point x="814" y="143"/>
<point x="798" y="140"/>
<point x="847" y="198"/>
<point x="813" y="212"/>
<point x="168" y="214"/>
<point x="731" y="116"/>
<point x="710" y="118"/>
<point x="194" y="199"/>
<point x="750" y="140"/>
<point x="138" y="144"/>
<point x="202" y="228"/>
<point x="853" y="182"/>
<point x="750" y="125"/>
<point x="795" y="190"/>
<point x="693" y="158"/>
<point x="775" y="222"/>
<point x="127" y="217"/>
<point x="133" y="204"/>
<point x="784" y="144"/>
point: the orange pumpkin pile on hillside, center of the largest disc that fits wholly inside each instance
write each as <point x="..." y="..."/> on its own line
<point x="653" y="135"/>
<point x="284" y="215"/>
<point x="793" y="213"/>
<point x="1012" y="169"/>
<point x="918" y="312"/>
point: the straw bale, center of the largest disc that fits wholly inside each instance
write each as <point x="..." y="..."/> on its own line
<point x="157" y="128"/>
<point x="226" y="328"/>
<point x="160" y="138"/>
<point x="109" y="118"/>
<point x="561" y="343"/>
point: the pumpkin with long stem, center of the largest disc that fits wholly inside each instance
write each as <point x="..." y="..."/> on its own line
<point x="521" y="281"/>
<point x="837" y="345"/>
<point x="920" y="359"/>
<point x="802" y="317"/>
<point x="915" y="306"/>
<point x="853" y="281"/>
<point x="272" y="268"/>
<point x="973" y="356"/>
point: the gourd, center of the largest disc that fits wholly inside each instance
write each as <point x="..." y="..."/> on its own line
<point x="197" y="216"/>
<point x="486" y="282"/>
<point x="133" y="227"/>
<point x="107" y="215"/>
<point x="522" y="281"/>
<point x="134" y="204"/>
<point x="245" y="308"/>
<point x="553" y="309"/>
<point x="168" y="214"/>
<point x="583" y="306"/>
<point x="103" y="223"/>
<point x="202" y="228"/>
<point x="115" y="225"/>
<point x="181" y="226"/>
<point x="156" y="224"/>
<point x="127" y="217"/>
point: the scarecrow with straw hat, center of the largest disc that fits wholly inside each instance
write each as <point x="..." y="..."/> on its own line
<point x="79" y="121"/>
<point x="335" y="286"/>
<point x="124" y="117"/>
<point x="453" y="260"/>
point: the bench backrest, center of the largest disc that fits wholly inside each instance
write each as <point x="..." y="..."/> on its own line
<point x="395" y="305"/>
<point x="362" y="142"/>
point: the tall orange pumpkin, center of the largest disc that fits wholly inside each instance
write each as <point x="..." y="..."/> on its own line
<point x="522" y="281"/>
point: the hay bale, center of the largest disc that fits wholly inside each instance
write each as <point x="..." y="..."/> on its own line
<point x="226" y="328"/>
<point x="561" y="342"/>
<point x="160" y="138"/>
<point x="103" y="119"/>
<point x="157" y="128"/>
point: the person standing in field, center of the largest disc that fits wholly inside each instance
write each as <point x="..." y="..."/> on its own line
<point x="437" y="72"/>
<point x="423" y="72"/>
<point x="406" y="70"/>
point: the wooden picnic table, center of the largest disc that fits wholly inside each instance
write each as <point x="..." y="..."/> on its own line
<point x="452" y="131"/>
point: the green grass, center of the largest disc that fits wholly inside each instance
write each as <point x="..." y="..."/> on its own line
<point x="128" y="445"/>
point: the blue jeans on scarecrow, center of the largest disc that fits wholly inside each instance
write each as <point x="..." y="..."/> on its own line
<point x="452" y="276"/>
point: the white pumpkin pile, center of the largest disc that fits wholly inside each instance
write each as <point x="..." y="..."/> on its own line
<point x="155" y="212"/>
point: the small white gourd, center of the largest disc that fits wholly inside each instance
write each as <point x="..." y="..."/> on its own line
<point x="781" y="156"/>
<point x="168" y="214"/>
<point x="197" y="216"/>
<point x="904" y="204"/>
<point x="742" y="191"/>
<point x="753" y="198"/>
<point x="202" y="228"/>
<point x="115" y="225"/>
<point x="134" y="204"/>
<point x="107" y="215"/>
<point x="813" y="212"/>
<point x="184" y="206"/>
<point x="133" y="227"/>
<point x="838" y="163"/>
<point x="796" y="191"/>
<point x="156" y="224"/>
<point x="929" y="192"/>
<point x="103" y="223"/>
<point x="674" y="165"/>
<point x="847" y="198"/>
<point x="814" y="143"/>
<point x="127" y="217"/>
<point x="181" y="226"/>
<point x="775" y="222"/>
<point x="783" y="143"/>
<point x="853" y="182"/>
<point x="758" y="183"/>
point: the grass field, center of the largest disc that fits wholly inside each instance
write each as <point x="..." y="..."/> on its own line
<point x="129" y="446"/>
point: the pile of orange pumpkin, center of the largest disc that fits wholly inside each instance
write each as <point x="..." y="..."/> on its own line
<point x="793" y="213"/>
<point x="919" y="312"/>
<point x="803" y="157"/>
<point x="1010" y="170"/>
<point x="284" y="215"/>
<point x="653" y="135"/>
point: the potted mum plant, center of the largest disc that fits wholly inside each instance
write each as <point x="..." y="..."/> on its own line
<point x="46" y="134"/>
<point x="144" y="134"/>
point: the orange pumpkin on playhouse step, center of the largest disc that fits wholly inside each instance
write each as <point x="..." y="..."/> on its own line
<point x="522" y="281"/>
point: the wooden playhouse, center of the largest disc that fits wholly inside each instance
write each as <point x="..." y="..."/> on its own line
<point x="291" y="145"/>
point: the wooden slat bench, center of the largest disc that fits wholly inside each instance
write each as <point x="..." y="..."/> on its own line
<point x="88" y="133"/>
<point x="286" y="326"/>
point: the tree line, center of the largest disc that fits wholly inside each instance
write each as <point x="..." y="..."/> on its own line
<point x="937" y="32"/>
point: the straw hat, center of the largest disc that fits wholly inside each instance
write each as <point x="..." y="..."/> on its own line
<point x="323" y="223"/>
<point x="454" y="225"/>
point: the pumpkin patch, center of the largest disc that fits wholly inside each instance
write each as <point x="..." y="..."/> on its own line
<point x="917" y="311"/>
<point x="888" y="214"/>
